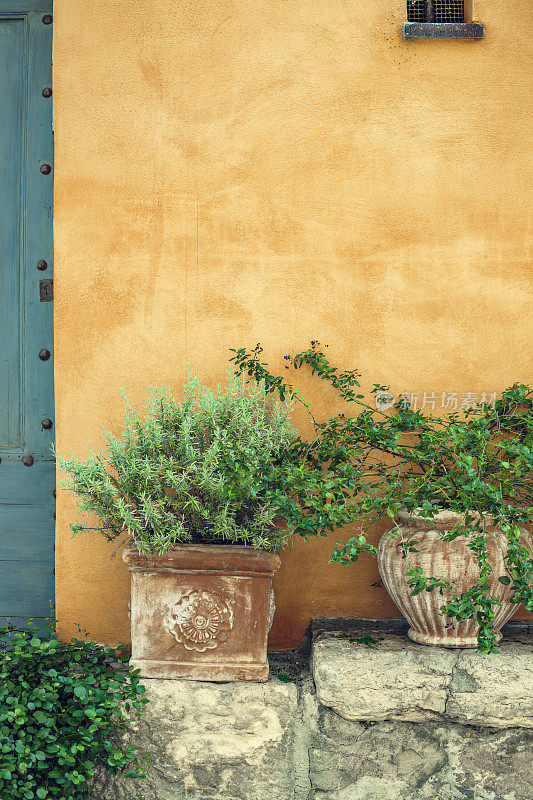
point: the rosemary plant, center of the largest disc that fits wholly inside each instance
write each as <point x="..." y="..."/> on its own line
<point x="195" y="470"/>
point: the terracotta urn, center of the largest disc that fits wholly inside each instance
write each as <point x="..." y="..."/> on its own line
<point x="201" y="612"/>
<point x="450" y="561"/>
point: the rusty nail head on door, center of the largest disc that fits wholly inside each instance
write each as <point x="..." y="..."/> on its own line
<point x="28" y="461"/>
<point x="46" y="169"/>
<point x="47" y="19"/>
<point x="44" y="355"/>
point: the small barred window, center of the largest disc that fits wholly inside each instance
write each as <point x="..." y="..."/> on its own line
<point x="416" y="10"/>
<point x="435" y="10"/>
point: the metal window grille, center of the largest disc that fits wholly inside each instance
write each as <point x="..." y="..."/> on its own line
<point x="449" y="10"/>
<point x="416" y="11"/>
<point x="435" y="10"/>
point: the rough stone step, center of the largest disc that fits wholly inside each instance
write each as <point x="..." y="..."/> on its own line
<point x="396" y="679"/>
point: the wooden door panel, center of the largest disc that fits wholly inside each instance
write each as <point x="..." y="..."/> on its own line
<point x="27" y="469"/>
<point x="12" y="41"/>
<point x="25" y="590"/>
<point x="27" y="510"/>
<point x="14" y="488"/>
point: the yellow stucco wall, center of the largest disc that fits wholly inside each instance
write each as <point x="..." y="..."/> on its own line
<point x="234" y="171"/>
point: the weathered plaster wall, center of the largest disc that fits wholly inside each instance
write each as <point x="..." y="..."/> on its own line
<point x="231" y="172"/>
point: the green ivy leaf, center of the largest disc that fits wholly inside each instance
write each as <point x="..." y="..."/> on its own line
<point x="49" y="748"/>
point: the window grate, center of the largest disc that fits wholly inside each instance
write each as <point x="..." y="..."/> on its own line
<point x="416" y="10"/>
<point x="435" y="10"/>
<point x="449" y="10"/>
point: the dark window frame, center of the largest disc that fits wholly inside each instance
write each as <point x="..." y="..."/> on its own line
<point x="435" y="19"/>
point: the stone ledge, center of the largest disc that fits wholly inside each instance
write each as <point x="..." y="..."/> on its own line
<point x="396" y="679"/>
<point x="443" y="30"/>
<point x="212" y="741"/>
<point x="394" y="721"/>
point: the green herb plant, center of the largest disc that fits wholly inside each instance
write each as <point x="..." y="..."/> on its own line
<point x="194" y="470"/>
<point x="63" y="709"/>
<point x="365" y="467"/>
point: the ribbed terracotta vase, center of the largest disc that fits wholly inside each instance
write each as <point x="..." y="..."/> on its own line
<point x="450" y="561"/>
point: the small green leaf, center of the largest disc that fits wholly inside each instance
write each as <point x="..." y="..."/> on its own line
<point x="366" y="640"/>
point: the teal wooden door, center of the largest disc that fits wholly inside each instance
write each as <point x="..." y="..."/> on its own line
<point x="27" y="470"/>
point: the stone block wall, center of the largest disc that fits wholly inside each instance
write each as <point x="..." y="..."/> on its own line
<point x="391" y="720"/>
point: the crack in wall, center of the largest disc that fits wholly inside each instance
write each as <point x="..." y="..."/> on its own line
<point x="449" y="688"/>
<point x="304" y="733"/>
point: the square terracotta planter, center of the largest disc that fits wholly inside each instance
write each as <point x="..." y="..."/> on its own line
<point x="201" y="612"/>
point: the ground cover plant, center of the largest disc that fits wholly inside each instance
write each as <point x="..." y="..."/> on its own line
<point x="63" y="710"/>
<point x="193" y="470"/>
<point x="363" y="467"/>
